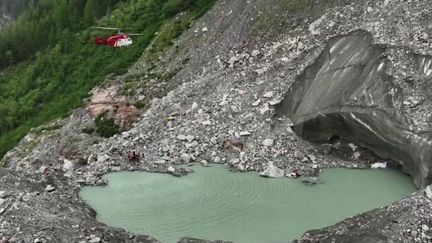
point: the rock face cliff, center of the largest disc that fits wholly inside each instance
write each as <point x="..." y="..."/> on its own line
<point x="247" y="84"/>
<point x="347" y="93"/>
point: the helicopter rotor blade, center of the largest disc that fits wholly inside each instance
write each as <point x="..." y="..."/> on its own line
<point x="119" y="30"/>
<point x="104" y="28"/>
<point x="111" y="28"/>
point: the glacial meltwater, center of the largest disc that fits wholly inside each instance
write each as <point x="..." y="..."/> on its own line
<point x="212" y="203"/>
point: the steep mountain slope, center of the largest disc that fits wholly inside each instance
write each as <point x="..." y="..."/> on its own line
<point x="223" y="94"/>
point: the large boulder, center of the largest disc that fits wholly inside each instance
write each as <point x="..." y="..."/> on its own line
<point x="272" y="171"/>
<point x="346" y="93"/>
<point x="110" y="101"/>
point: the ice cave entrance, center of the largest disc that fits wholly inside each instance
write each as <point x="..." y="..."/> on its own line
<point x="213" y="203"/>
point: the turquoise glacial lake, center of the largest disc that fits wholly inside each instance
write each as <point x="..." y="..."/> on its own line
<point x="213" y="203"/>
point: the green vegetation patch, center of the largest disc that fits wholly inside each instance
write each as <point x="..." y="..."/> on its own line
<point x="140" y="104"/>
<point x="294" y="5"/>
<point x="3" y="164"/>
<point x="52" y="62"/>
<point x="45" y="129"/>
<point x="105" y="126"/>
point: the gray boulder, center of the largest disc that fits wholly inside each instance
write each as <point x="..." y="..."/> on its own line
<point x="272" y="171"/>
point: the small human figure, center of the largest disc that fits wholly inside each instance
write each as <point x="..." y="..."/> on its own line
<point x="133" y="156"/>
<point x="46" y="172"/>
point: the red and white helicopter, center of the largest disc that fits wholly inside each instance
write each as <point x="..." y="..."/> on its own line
<point x="117" y="40"/>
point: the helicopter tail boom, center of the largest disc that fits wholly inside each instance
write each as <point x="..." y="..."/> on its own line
<point x="100" y="41"/>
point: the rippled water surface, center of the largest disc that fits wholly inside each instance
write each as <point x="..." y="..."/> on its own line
<point x="213" y="203"/>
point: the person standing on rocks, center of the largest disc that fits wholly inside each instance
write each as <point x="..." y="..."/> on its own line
<point x="133" y="156"/>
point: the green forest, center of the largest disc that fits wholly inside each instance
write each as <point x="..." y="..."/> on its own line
<point x="49" y="61"/>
